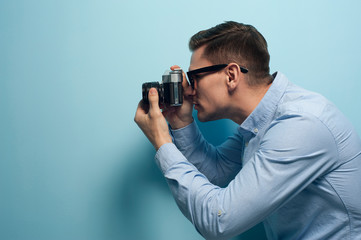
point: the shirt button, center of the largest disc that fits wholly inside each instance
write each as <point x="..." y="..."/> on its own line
<point x="255" y="130"/>
<point x="219" y="213"/>
<point x="246" y="144"/>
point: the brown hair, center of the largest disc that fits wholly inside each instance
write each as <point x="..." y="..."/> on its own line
<point x="235" y="42"/>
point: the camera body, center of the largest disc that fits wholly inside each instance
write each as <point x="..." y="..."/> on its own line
<point x="170" y="90"/>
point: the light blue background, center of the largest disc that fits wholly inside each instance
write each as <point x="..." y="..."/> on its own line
<point x="73" y="164"/>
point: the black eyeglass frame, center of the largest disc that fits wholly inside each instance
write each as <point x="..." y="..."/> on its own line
<point x="213" y="68"/>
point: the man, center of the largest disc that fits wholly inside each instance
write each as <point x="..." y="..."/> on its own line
<point x="294" y="163"/>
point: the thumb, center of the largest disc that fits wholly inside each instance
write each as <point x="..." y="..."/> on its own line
<point x="153" y="99"/>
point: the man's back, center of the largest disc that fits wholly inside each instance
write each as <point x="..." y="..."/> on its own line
<point x="329" y="207"/>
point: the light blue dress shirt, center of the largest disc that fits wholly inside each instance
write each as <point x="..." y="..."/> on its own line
<point x="294" y="164"/>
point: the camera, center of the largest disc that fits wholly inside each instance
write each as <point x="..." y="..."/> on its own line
<point x="170" y="89"/>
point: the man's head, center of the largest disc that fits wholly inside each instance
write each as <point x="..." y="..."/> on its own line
<point x="229" y="71"/>
<point x="233" y="42"/>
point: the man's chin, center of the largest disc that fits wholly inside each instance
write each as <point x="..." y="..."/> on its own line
<point x="202" y="120"/>
<point x="202" y="117"/>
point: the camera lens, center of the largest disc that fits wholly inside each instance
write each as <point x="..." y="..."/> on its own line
<point x="147" y="86"/>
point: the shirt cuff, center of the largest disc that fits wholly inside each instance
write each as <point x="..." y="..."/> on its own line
<point x="184" y="137"/>
<point x="168" y="155"/>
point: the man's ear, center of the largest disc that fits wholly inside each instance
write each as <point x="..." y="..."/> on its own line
<point x="233" y="74"/>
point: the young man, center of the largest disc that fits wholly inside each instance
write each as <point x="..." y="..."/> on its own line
<point x="294" y="162"/>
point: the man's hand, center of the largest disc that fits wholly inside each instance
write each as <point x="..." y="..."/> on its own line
<point x="152" y="122"/>
<point x="179" y="117"/>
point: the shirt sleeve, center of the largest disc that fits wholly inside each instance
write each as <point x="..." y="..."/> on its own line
<point x="219" y="164"/>
<point x="295" y="150"/>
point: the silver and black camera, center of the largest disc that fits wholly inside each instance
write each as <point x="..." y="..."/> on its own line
<point x="170" y="90"/>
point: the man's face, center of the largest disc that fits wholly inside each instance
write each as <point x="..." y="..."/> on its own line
<point x="210" y="89"/>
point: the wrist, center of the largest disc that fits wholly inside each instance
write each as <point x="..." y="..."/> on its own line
<point x="160" y="143"/>
<point x="181" y="123"/>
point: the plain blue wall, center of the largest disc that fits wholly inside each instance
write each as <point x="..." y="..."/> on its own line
<point x="73" y="165"/>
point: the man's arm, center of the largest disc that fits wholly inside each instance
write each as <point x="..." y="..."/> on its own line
<point x="219" y="164"/>
<point x="282" y="167"/>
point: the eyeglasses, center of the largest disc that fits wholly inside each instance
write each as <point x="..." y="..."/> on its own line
<point x="192" y="75"/>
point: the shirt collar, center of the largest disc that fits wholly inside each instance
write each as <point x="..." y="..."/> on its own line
<point x="265" y="110"/>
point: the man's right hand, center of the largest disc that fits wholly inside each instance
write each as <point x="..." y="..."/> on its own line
<point x="179" y="117"/>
